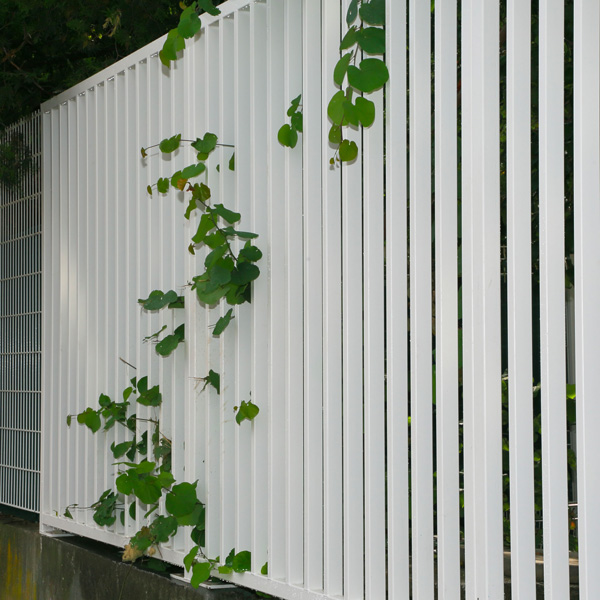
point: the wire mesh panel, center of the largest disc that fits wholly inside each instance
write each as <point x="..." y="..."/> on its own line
<point x="20" y="314"/>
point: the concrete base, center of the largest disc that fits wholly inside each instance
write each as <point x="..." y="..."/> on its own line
<point x="39" y="567"/>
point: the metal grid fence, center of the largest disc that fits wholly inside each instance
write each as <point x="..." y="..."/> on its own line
<point x="20" y="314"/>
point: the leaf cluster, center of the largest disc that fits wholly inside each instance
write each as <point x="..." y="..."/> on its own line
<point x="288" y="133"/>
<point x="189" y="25"/>
<point x="367" y="37"/>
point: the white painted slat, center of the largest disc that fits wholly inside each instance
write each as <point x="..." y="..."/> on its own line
<point x="257" y="218"/>
<point x="243" y="315"/>
<point x="520" y="370"/>
<point x="49" y="241"/>
<point x="313" y="297"/>
<point x="586" y="63"/>
<point x="552" y="302"/>
<point x="446" y="301"/>
<point x="352" y="385"/>
<point x="333" y="567"/>
<point x="213" y="412"/>
<point x="276" y="258"/>
<point x="374" y="353"/>
<point x="226" y="398"/>
<point x="295" y="309"/>
<point x="481" y="301"/>
<point x="397" y="303"/>
<point x="420" y="302"/>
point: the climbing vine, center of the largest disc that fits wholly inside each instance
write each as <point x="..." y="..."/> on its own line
<point x="229" y="269"/>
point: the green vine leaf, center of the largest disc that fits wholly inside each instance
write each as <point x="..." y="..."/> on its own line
<point x="154" y="335"/>
<point x="213" y="379"/>
<point x="205" y="145"/>
<point x="242" y="562"/>
<point x="373" y="12"/>
<point x="120" y="449"/>
<point x="246" y="412"/>
<point x="365" y="110"/>
<point x="340" y="69"/>
<point x="349" y="39"/>
<point x="200" y="573"/>
<point x="104" y="509"/>
<point x="181" y="500"/>
<point x="170" y="144"/>
<point x="205" y="226"/>
<point x="371" y="40"/>
<point x="226" y="214"/>
<point x="189" y="23"/>
<point x="173" y="44"/>
<point x="372" y="75"/>
<point x="159" y="299"/>
<point x="348" y="151"/>
<point x="90" y="418"/>
<point x="162" y="185"/>
<point x="222" y="323"/>
<point x="352" y="12"/>
<point x="265" y="569"/>
<point x="335" y="109"/>
<point x="189" y="558"/>
<point x="287" y="136"/>
<point x="232" y="162"/>
<point x="208" y="6"/>
<point x="294" y="105"/>
<point x="166" y="346"/>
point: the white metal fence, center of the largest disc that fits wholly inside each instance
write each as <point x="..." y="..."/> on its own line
<point x="351" y="480"/>
<point x="20" y="313"/>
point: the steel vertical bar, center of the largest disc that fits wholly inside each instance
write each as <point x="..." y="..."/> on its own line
<point x="520" y="369"/>
<point x="446" y="300"/>
<point x="352" y="358"/>
<point x="295" y="392"/>
<point x="481" y="300"/>
<point x="313" y="297"/>
<point x="333" y="552"/>
<point x="421" y="301"/>
<point x="552" y="300"/>
<point x="277" y="104"/>
<point x="586" y="63"/>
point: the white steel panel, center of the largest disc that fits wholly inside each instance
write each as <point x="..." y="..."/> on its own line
<point x="587" y="286"/>
<point x="552" y="302"/>
<point x="520" y="375"/>
<point x="446" y="301"/>
<point x="420" y="302"/>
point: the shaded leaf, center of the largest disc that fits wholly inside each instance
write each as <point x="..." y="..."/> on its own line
<point x="189" y="558"/>
<point x="371" y="40"/>
<point x="181" y="500"/>
<point x="206" y="144"/>
<point x="222" y="323"/>
<point x="365" y="110"/>
<point x="373" y="12"/>
<point x="242" y="562"/>
<point x="226" y="214"/>
<point x="349" y="39"/>
<point x="340" y="69"/>
<point x="352" y="12"/>
<point x="335" y="109"/>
